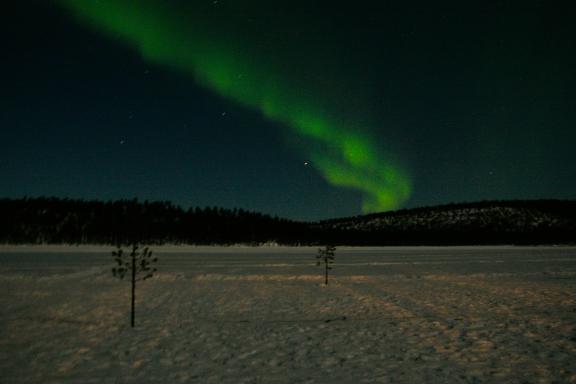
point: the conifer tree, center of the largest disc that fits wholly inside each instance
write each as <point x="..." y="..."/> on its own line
<point x="138" y="265"/>
<point x="326" y="256"/>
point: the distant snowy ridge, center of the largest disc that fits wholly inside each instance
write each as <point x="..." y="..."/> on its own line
<point x="492" y="221"/>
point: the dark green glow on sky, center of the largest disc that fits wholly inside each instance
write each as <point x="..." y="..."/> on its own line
<point x="332" y="133"/>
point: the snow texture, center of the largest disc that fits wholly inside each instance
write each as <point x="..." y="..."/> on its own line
<point x="262" y="315"/>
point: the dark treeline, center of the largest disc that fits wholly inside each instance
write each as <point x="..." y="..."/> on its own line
<point x="56" y="221"/>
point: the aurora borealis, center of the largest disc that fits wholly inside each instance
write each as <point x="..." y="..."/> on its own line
<point x="343" y="154"/>
<point x="303" y="109"/>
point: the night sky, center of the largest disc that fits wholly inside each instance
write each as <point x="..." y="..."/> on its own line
<point x="302" y="109"/>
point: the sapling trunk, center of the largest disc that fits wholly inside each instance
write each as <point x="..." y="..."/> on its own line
<point x="133" y="312"/>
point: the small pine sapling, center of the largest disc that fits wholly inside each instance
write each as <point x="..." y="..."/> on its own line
<point x="326" y="256"/>
<point x="138" y="265"/>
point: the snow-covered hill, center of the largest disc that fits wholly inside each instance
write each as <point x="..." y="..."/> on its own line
<point x="470" y="223"/>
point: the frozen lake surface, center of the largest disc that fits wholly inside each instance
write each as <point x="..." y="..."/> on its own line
<point x="192" y="261"/>
<point x="262" y="315"/>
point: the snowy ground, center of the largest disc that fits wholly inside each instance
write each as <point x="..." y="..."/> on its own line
<point x="245" y="315"/>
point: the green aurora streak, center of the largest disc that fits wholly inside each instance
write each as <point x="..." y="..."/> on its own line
<point x="344" y="153"/>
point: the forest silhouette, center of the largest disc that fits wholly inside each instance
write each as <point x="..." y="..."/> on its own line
<point x="50" y="220"/>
